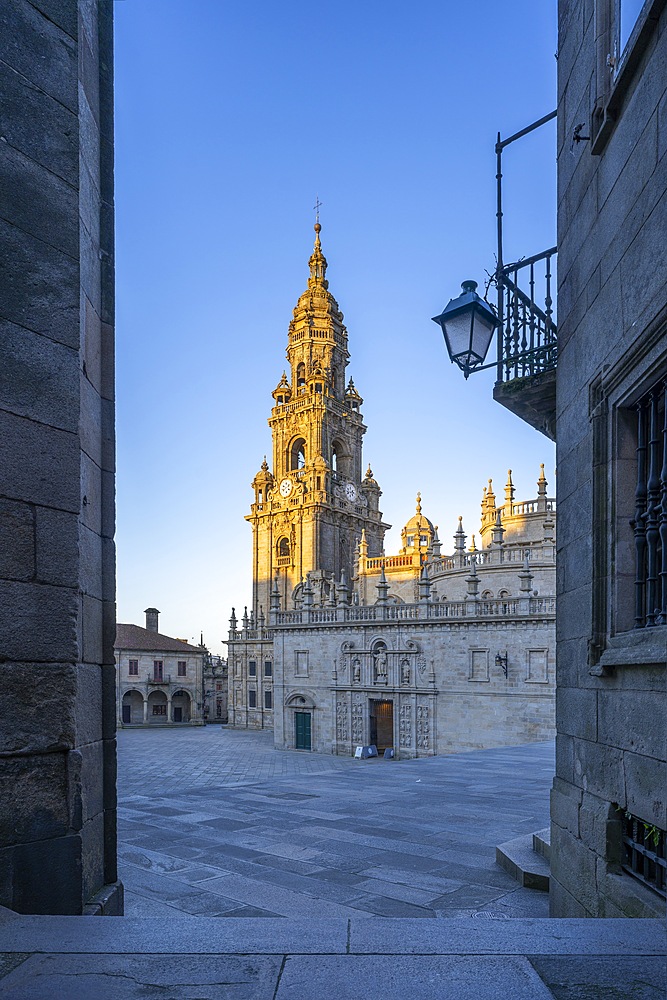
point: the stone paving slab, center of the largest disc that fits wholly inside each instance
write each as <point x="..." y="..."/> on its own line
<point x="410" y="978"/>
<point x="523" y="936"/>
<point x="104" y="977"/>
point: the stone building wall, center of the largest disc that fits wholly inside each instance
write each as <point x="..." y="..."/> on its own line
<point x="57" y="590"/>
<point x="446" y="691"/>
<point x="612" y="307"/>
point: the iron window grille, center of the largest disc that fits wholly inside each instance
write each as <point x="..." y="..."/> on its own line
<point x="252" y="668"/>
<point x="649" y="523"/>
<point x="644" y="853"/>
<point x="252" y="699"/>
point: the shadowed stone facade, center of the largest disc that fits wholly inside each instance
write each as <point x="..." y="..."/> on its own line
<point x="612" y="307"/>
<point x="57" y="588"/>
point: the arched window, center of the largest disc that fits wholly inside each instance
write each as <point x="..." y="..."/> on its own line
<point x="340" y="462"/>
<point x="283" y="547"/>
<point x="298" y="454"/>
<point x="300" y="375"/>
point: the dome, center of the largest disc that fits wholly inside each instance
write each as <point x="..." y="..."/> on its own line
<point x="419" y="532"/>
<point x="264" y="475"/>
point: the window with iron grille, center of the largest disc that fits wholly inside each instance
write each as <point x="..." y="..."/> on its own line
<point x="268" y="669"/>
<point x="252" y="668"/>
<point x="268" y="699"/>
<point x="644" y="853"/>
<point x="252" y="699"/>
<point x="649" y="523"/>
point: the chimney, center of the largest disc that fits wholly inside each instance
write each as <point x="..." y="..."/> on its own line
<point x="151" y="619"/>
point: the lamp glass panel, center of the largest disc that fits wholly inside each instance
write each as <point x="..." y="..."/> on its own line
<point x="457" y="334"/>
<point x="482" y="333"/>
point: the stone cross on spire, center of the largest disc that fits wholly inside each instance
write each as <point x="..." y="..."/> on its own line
<point x="317" y="206"/>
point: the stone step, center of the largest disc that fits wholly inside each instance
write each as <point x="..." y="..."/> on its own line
<point x="542" y="842"/>
<point x="519" y="860"/>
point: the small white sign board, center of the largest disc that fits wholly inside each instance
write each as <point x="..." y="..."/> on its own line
<point x="358" y="752"/>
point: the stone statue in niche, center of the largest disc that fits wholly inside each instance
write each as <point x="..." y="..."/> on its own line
<point x="356" y="671"/>
<point x="381" y="667"/>
<point x="405" y="672"/>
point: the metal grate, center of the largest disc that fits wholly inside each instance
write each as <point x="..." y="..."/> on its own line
<point x="650" y="521"/>
<point x="644" y="853"/>
<point x="527" y="336"/>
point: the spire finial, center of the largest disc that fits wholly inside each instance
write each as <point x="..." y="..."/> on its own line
<point x="317" y="206"/>
<point x="419" y="503"/>
<point x="318" y="262"/>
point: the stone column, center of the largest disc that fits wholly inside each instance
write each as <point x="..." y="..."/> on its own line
<point x="146" y="710"/>
<point x="169" y="710"/>
<point x="57" y="563"/>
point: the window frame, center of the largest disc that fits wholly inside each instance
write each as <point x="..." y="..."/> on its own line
<point x="615" y="70"/>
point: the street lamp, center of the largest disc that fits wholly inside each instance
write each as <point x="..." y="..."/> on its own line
<point x="467" y="325"/>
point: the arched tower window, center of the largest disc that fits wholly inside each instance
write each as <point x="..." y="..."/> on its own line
<point x="300" y="376"/>
<point x="283" y="547"/>
<point x="297" y="457"/>
<point x="340" y="461"/>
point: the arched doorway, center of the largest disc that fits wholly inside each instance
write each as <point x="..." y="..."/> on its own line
<point x="181" y="706"/>
<point x="302" y="710"/>
<point x="133" y="708"/>
<point x="157" y="708"/>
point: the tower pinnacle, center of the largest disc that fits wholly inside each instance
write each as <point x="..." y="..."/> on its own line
<point x="318" y="262"/>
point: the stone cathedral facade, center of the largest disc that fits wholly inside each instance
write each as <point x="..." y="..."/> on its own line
<point x="343" y="645"/>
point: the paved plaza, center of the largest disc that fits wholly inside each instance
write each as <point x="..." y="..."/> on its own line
<point x="215" y="822"/>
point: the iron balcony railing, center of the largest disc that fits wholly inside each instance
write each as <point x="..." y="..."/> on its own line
<point x="527" y="332"/>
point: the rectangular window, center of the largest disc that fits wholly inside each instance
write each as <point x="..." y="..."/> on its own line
<point x="182" y="668"/>
<point x="629" y="12"/>
<point x="268" y="699"/>
<point x="158" y="671"/>
<point x="479" y="665"/>
<point x="252" y="668"/>
<point x="134" y="668"/>
<point x="537" y="672"/>
<point x="301" y="662"/>
<point x="268" y="669"/>
<point x="252" y="699"/>
<point x="159" y="709"/>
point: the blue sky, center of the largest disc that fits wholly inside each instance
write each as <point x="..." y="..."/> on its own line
<point x="230" y="119"/>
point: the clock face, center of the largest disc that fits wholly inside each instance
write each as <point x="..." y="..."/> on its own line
<point x="350" y="492"/>
<point x="286" y="487"/>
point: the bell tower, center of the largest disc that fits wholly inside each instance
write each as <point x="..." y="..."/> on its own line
<point x="311" y="507"/>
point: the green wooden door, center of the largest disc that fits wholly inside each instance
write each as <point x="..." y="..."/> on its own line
<point x="302" y="730"/>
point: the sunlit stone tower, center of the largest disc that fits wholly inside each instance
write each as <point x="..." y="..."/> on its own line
<point x="313" y="505"/>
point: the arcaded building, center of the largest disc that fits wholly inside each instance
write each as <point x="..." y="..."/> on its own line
<point x="159" y="680"/>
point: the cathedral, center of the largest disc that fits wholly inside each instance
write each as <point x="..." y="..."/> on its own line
<point x="344" y="646"/>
